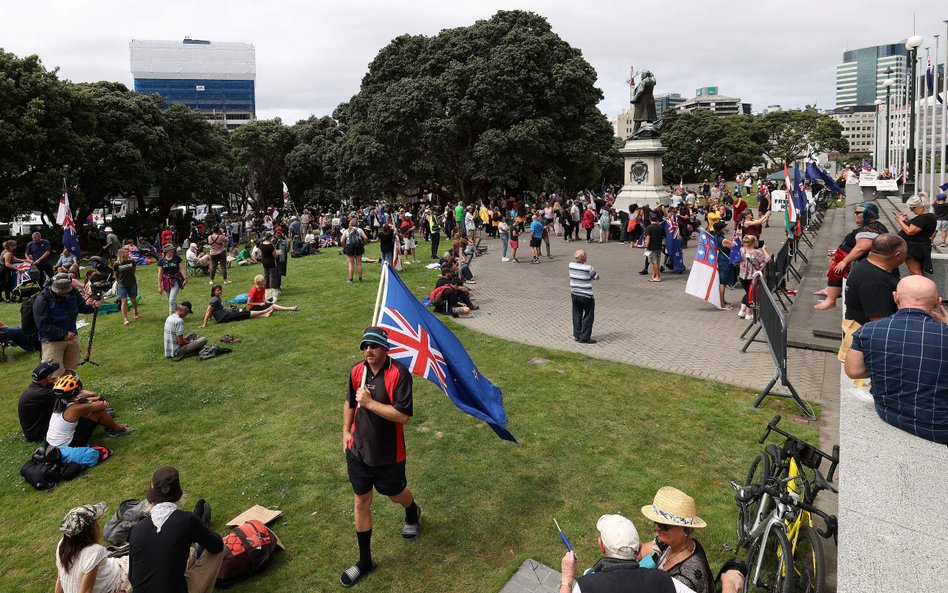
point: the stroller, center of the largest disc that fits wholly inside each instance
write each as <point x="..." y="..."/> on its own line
<point x="27" y="282"/>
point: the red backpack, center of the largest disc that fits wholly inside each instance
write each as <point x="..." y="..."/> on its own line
<point x="246" y="550"/>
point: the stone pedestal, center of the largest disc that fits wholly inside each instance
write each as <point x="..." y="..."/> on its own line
<point x="643" y="174"/>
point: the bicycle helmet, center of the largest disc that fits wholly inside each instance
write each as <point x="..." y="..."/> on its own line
<point x="67" y="385"/>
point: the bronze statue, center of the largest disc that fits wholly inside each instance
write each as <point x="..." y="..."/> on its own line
<point x="644" y="102"/>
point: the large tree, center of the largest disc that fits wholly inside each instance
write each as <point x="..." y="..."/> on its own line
<point x="41" y="121"/>
<point x="702" y="145"/>
<point x="260" y="148"/>
<point x="789" y="135"/>
<point x="502" y="103"/>
<point x="198" y="167"/>
<point x="310" y="165"/>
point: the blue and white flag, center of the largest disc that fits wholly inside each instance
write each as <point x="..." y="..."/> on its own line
<point x="703" y="281"/>
<point x="64" y="219"/>
<point x="430" y="350"/>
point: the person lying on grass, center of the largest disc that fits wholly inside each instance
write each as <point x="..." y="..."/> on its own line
<point x="224" y="315"/>
<point x="256" y="298"/>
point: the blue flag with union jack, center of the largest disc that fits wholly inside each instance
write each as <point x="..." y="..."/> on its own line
<point x="430" y="350"/>
<point x="64" y="219"/>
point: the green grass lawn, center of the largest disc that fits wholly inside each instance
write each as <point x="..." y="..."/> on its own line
<point x="262" y="425"/>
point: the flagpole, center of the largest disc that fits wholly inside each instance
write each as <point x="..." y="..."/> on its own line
<point x="931" y="159"/>
<point x="378" y="296"/>
<point x="920" y="138"/>
<point x="944" y="109"/>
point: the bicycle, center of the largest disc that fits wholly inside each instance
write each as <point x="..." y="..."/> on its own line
<point x="776" y="502"/>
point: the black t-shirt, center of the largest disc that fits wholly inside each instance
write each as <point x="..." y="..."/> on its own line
<point x="125" y="273"/>
<point x="377" y="441"/>
<point x="157" y="560"/>
<point x="387" y="242"/>
<point x="927" y="223"/>
<point x="267" y="257"/>
<point x="442" y="281"/>
<point x="217" y="308"/>
<point x="170" y="267"/>
<point x="656" y="236"/>
<point x="34" y="409"/>
<point x="940" y="210"/>
<point x="869" y="291"/>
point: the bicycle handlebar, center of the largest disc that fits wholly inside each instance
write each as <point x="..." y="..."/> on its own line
<point x="772" y="427"/>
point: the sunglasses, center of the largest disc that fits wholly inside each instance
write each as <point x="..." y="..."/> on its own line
<point x="858" y="212"/>
<point x="663" y="526"/>
<point x="368" y="346"/>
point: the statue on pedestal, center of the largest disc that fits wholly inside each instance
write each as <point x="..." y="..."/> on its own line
<point x="644" y="114"/>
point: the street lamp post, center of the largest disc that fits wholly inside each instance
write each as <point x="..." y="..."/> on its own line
<point x="887" y="83"/>
<point x="875" y="140"/>
<point x="913" y="43"/>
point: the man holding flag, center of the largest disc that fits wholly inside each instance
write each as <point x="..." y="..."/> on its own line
<point x="378" y="406"/>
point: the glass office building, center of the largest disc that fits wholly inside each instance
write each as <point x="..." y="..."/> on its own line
<point x="213" y="77"/>
<point x="859" y="78"/>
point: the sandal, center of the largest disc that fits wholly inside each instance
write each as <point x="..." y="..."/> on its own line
<point x="353" y="574"/>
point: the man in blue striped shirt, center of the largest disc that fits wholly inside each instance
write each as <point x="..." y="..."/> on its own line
<point x="581" y="276"/>
<point x="906" y="358"/>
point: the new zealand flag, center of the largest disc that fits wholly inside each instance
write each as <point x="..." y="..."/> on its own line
<point x="430" y="350"/>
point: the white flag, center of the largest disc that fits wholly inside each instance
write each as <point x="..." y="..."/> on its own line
<point x="703" y="280"/>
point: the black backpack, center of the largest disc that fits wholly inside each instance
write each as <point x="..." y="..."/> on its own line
<point x="44" y="470"/>
<point x="28" y="321"/>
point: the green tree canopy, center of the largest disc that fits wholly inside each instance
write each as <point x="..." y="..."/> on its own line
<point x="702" y="145"/>
<point x="260" y="148"/>
<point x="788" y="135"/>
<point x="502" y="103"/>
<point x="310" y="165"/>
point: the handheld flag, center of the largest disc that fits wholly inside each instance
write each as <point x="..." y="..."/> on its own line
<point x="799" y="198"/>
<point x="790" y="214"/>
<point x="673" y="243"/>
<point x="703" y="281"/>
<point x="735" y="257"/>
<point x="64" y="219"/>
<point x="397" y="255"/>
<point x="569" y="547"/>
<point x="430" y="350"/>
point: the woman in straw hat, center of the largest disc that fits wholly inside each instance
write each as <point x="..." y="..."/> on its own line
<point x="674" y="548"/>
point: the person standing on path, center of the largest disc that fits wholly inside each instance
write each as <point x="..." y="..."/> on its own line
<point x="654" y="237"/>
<point x="378" y="405"/>
<point x="536" y="238"/>
<point x="581" y="276"/>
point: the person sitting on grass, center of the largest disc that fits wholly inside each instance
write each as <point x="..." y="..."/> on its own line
<point x="76" y="413"/>
<point x="83" y="565"/>
<point x="256" y="298"/>
<point x="177" y="345"/>
<point x="36" y="403"/>
<point x="224" y="315"/>
<point x="245" y="256"/>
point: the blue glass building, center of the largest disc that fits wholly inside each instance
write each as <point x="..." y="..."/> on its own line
<point x="859" y="78"/>
<point x="215" y="78"/>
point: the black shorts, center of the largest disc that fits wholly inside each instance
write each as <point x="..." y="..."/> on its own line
<point x="355" y="250"/>
<point x="536" y="241"/>
<point x="388" y="480"/>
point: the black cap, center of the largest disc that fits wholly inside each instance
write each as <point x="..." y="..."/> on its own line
<point x="186" y="305"/>
<point x="44" y="370"/>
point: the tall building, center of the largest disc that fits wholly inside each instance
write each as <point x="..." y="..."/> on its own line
<point x="859" y="78"/>
<point x="622" y="124"/>
<point x="708" y="98"/>
<point x="216" y="78"/>
<point x="665" y="102"/>
<point x="860" y="125"/>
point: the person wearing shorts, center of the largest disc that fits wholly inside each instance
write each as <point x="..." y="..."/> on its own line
<point x="126" y="287"/>
<point x="377" y="407"/>
<point x="940" y="209"/>
<point x="536" y="238"/>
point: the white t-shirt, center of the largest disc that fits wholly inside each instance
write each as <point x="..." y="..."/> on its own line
<point x="174" y="327"/>
<point x="106" y="579"/>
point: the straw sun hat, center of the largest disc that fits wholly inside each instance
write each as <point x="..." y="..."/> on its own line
<point x="671" y="506"/>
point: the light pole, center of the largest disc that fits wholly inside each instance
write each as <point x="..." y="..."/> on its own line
<point x="875" y="140"/>
<point x="887" y="83"/>
<point x="913" y="43"/>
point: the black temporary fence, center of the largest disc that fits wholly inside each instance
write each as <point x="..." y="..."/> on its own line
<point x="772" y="321"/>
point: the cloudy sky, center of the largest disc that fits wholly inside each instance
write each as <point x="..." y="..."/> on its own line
<point x="312" y="55"/>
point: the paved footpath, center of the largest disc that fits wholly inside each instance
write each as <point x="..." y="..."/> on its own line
<point x="653" y="325"/>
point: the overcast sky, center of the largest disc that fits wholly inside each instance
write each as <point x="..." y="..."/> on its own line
<point x="312" y="55"/>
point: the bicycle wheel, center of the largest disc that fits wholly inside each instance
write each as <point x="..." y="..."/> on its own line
<point x="757" y="474"/>
<point x="808" y="567"/>
<point x="776" y="568"/>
